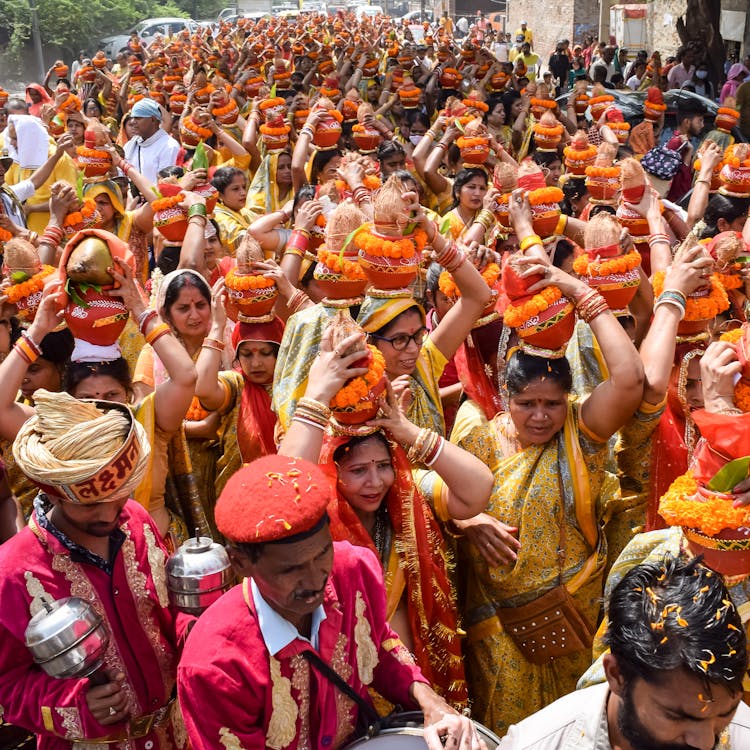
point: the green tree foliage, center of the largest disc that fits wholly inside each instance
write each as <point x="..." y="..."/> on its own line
<point x="67" y="26"/>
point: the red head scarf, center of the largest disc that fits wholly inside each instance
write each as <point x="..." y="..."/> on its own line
<point x="256" y="420"/>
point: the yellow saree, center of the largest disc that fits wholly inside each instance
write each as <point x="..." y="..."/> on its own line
<point x="530" y="486"/>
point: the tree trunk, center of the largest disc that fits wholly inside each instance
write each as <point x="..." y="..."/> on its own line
<point x="704" y="36"/>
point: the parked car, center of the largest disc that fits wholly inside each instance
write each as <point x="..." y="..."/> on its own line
<point x="416" y="16"/>
<point x="630" y="103"/>
<point x="147" y="31"/>
<point x="362" y="11"/>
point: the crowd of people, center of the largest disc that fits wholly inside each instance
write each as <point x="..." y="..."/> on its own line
<point x="456" y="374"/>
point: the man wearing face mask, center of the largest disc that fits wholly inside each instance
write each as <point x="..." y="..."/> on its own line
<point x="699" y="82"/>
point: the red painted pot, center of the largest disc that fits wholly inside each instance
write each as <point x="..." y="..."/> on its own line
<point x="389" y="273"/>
<point x="544" y="218"/>
<point x="99" y="321"/>
<point x="602" y="188"/>
<point x="27" y="306"/>
<point x="476" y="154"/>
<point x="336" y="285"/>
<point x="552" y="328"/>
<point x="275" y="141"/>
<point x="367" y="140"/>
<point x="327" y="133"/>
<point x="581" y="104"/>
<point x="364" y="410"/>
<point x="210" y="193"/>
<point x="725" y="122"/>
<point x="576" y="166"/>
<point x="728" y="553"/>
<point x="93" y="166"/>
<point x="172" y="223"/>
<point x="252" y="303"/>
<point x="618" y="289"/>
<point x="633" y="221"/>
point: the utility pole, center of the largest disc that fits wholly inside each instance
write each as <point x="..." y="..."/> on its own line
<point x="37" y="37"/>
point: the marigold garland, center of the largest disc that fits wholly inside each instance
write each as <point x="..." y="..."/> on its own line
<point x="225" y="110"/>
<point x="189" y="124"/>
<point x="195" y="412"/>
<point x="16" y="292"/>
<point x="479" y="140"/>
<point x="518" y="314"/>
<point x="728" y="111"/>
<point x="406" y="247"/>
<point x="545" y="103"/>
<point x="93" y="153"/>
<point x="552" y="132"/>
<point x="545" y="195"/>
<point x="334" y="262"/>
<point x="477" y="104"/>
<point x="162" y="204"/>
<point x="243" y="282"/>
<point x="357" y="389"/>
<point x="449" y="288"/>
<point x="618" y="125"/>
<point x="275" y="130"/>
<point x="594" y="100"/>
<point x="584" y="266"/>
<point x="709" y="515"/>
<point x="370" y="181"/>
<point x="728" y="280"/>
<point x="87" y="210"/>
<point x="602" y="171"/>
<point x="5" y="235"/>
<point x="734" y="161"/>
<point x="582" y="154"/>
<point x="277" y="101"/>
<point x="699" y="308"/>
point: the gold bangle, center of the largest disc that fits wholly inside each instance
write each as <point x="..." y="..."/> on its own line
<point x="530" y="241"/>
<point x="216" y="342"/>
<point x="562" y="222"/>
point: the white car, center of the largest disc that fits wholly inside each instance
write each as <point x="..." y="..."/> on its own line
<point x="370" y="11"/>
<point x="147" y="31"/>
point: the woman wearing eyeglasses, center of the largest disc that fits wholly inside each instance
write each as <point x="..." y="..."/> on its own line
<point x="375" y="504"/>
<point x="414" y="358"/>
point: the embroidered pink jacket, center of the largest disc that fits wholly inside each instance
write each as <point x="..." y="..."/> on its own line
<point x="133" y="601"/>
<point x="235" y="695"/>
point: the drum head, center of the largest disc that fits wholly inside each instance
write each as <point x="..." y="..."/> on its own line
<point x="406" y="733"/>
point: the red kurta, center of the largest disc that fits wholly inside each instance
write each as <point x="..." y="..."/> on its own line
<point x="234" y="694"/>
<point x="133" y="601"/>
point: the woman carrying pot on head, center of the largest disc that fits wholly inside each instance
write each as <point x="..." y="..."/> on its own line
<point x="99" y="373"/>
<point x="549" y="456"/>
<point x="183" y="301"/>
<point x="242" y="395"/>
<point x="377" y="505"/>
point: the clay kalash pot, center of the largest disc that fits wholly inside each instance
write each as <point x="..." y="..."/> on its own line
<point x="474" y="144"/>
<point x="170" y="219"/>
<point x="27" y="276"/>
<point x="543" y="320"/>
<point x="654" y="107"/>
<point x="579" y="154"/>
<point x="735" y="174"/>
<point x="328" y="129"/>
<point x="603" y="177"/>
<point x="359" y="400"/>
<point x="545" y="208"/>
<point x="90" y="158"/>
<point x="249" y="295"/>
<point x="90" y="313"/>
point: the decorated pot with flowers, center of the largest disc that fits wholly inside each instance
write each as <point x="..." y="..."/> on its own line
<point x="544" y="201"/>
<point x="735" y="174"/>
<point x="358" y="400"/>
<point x="92" y="161"/>
<point x="616" y="123"/>
<point x="85" y="217"/>
<point x="654" y="106"/>
<point x="328" y="129"/>
<point x="409" y="94"/>
<point x="90" y="312"/>
<point x="581" y="101"/>
<point x="633" y="182"/>
<point x="540" y="106"/>
<point x="599" y="103"/>
<point x="603" y="177"/>
<point x="730" y="253"/>
<point x="703" y="305"/>
<point x="365" y="136"/>
<point x="338" y="272"/>
<point x="579" y="154"/>
<point x="60" y="69"/>
<point x="177" y="102"/>
<point x="249" y="294"/>
<point x="450" y="78"/>
<point x="726" y="118"/>
<point x="505" y="180"/>
<point x="544" y="320"/>
<point x="206" y="190"/>
<point x="227" y="113"/>
<point x="547" y="132"/>
<point x="474" y="144"/>
<point x="170" y="219"/>
<point x="25" y="276"/>
<point x="604" y="266"/>
<point x="191" y="133"/>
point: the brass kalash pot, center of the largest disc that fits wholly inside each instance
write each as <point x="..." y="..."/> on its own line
<point x="198" y="573"/>
<point x="68" y="638"/>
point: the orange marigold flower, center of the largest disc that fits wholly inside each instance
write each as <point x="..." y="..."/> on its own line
<point x="583" y="266"/>
<point x="699" y="308"/>
<point x="16" y="292"/>
<point x="357" y="390"/>
<point x="517" y="314"/>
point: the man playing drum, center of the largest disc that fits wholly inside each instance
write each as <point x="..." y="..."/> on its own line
<point x="251" y="673"/>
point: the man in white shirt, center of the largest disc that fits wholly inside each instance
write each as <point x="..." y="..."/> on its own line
<point x="674" y="672"/>
<point x="153" y="148"/>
